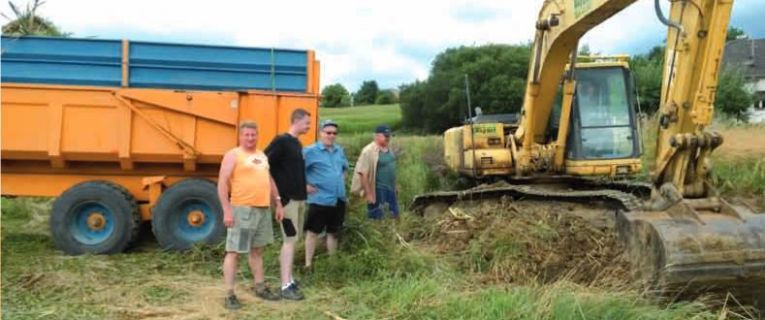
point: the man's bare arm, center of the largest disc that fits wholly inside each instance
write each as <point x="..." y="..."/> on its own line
<point x="278" y="202"/>
<point x="224" y="180"/>
<point x="368" y="192"/>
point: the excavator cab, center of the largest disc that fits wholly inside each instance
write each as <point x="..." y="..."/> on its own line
<point x="603" y="137"/>
<point x="603" y="120"/>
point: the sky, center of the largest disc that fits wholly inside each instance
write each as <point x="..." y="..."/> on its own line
<point x="393" y="42"/>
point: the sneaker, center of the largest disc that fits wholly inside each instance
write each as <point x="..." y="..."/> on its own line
<point x="295" y="284"/>
<point x="292" y="293"/>
<point x="232" y="303"/>
<point x="264" y="292"/>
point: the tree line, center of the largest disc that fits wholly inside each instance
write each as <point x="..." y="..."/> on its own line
<point x="497" y="80"/>
<point x="336" y="95"/>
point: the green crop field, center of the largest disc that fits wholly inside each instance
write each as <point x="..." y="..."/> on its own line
<point x="417" y="268"/>
<point x="363" y="119"/>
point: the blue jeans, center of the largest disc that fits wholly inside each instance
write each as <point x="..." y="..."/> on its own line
<point x="383" y="197"/>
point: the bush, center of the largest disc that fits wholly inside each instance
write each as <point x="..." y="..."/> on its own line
<point x="334" y="96"/>
<point x="367" y="94"/>
<point x="733" y="99"/>
<point x="386" y="97"/>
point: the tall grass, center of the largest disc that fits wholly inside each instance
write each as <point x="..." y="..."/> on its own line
<point x="431" y="298"/>
<point x="375" y="275"/>
<point x="419" y="165"/>
<point x="740" y="176"/>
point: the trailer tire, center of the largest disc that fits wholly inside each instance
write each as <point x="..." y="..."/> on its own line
<point x="97" y="217"/>
<point x="136" y="235"/>
<point x="188" y="213"/>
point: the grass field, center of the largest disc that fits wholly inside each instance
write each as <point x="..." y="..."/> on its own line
<point x="384" y="270"/>
<point x="363" y="119"/>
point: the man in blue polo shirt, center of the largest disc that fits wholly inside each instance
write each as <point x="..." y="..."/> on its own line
<point x="325" y="167"/>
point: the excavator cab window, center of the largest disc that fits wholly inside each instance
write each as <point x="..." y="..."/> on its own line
<point x="603" y="117"/>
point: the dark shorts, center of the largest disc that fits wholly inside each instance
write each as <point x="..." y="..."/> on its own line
<point x="325" y="217"/>
<point x="385" y="198"/>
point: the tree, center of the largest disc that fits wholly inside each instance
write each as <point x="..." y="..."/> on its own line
<point x="26" y="22"/>
<point x="386" y="97"/>
<point x="584" y="50"/>
<point x="647" y="70"/>
<point x="735" y="33"/>
<point x="733" y="98"/>
<point x="334" y="96"/>
<point x="412" y="103"/>
<point x="367" y="94"/>
<point x="497" y="77"/>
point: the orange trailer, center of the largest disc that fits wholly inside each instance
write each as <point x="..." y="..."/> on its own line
<point x="118" y="155"/>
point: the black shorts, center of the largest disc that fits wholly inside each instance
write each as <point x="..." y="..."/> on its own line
<point x="321" y="217"/>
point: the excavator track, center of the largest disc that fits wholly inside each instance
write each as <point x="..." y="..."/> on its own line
<point x="687" y="249"/>
<point x="620" y="195"/>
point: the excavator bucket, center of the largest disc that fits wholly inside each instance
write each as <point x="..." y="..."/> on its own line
<point x="698" y="246"/>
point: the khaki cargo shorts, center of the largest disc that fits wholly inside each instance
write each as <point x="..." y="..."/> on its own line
<point x="252" y="229"/>
<point x="295" y="211"/>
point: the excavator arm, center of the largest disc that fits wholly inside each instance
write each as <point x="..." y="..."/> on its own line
<point x="694" y="49"/>
<point x="685" y="235"/>
<point x="559" y="27"/>
<point x="695" y="42"/>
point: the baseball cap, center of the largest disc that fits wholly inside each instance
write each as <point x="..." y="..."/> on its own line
<point x="384" y="129"/>
<point x="329" y="122"/>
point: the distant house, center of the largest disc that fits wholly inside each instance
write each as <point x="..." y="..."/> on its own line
<point x="748" y="55"/>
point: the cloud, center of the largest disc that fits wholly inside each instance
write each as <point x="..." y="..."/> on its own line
<point x="473" y="14"/>
<point x="392" y="42"/>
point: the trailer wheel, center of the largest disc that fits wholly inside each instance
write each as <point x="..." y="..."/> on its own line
<point x="96" y="217"/>
<point x="188" y="213"/>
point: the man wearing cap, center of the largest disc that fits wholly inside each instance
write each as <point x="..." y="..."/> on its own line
<point x="374" y="177"/>
<point x="325" y="167"/>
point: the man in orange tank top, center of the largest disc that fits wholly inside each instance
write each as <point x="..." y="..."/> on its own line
<point x="246" y="191"/>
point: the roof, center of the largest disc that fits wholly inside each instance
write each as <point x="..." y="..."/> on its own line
<point x="747" y="54"/>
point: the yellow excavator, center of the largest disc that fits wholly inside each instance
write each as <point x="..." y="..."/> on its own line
<point x="578" y="123"/>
